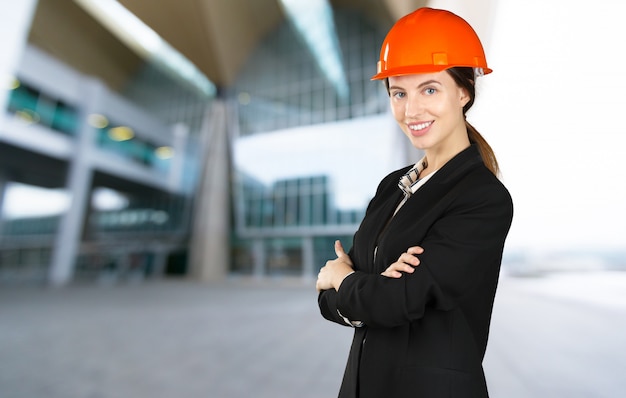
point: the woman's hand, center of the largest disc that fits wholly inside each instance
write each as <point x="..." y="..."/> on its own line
<point x="332" y="274"/>
<point x="406" y="263"/>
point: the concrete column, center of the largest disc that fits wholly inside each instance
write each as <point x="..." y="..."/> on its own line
<point x="210" y="241"/>
<point x="177" y="167"/>
<point x="308" y="258"/>
<point x="15" y="21"/>
<point x="69" y="233"/>
<point x="3" y="189"/>
<point x="159" y="262"/>
<point x="259" y="261"/>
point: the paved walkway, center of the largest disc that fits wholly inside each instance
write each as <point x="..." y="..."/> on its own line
<point x="171" y="339"/>
<point x="181" y="339"/>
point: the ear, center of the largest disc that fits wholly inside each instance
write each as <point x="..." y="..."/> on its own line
<point x="464" y="97"/>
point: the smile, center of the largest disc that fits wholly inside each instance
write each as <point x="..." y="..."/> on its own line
<point x="420" y="126"/>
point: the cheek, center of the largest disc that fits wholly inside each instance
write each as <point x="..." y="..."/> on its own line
<point x="397" y="110"/>
<point x="451" y="107"/>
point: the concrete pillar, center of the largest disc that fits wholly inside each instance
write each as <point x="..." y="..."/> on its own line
<point x="159" y="262"/>
<point x="177" y="167"/>
<point x="69" y="233"/>
<point x="210" y="241"/>
<point x="308" y="258"/>
<point x="15" y="21"/>
<point x="259" y="258"/>
<point x="3" y="189"/>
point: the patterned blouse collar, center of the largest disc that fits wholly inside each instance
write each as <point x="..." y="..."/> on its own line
<point x="409" y="181"/>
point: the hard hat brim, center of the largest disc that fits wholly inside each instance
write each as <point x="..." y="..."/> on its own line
<point x="420" y="69"/>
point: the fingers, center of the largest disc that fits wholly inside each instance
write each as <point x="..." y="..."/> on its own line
<point x="410" y="259"/>
<point x="318" y="286"/>
<point x="322" y="282"/>
<point x="403" y="266"/>
<point x="397" y="269"/>
<point x="339" y="249"/>
<point x="406" y="263"/>
<point x="415" y="250"/>
<point x="389" y="273"/>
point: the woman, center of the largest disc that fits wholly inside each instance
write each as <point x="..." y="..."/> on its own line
<point x="419" y="281"/>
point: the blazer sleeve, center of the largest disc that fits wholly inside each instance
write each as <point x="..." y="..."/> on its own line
<point x="460" y="249"/>
<point x="327" y="302"/>
<point x="327" y="299"/>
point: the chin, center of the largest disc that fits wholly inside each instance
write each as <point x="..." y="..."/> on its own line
<point x="419" y="144"/>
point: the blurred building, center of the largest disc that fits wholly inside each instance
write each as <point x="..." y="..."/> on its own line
<point x="127" y="140"/>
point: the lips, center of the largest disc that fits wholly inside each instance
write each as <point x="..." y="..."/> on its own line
<point x="419" y="128"/>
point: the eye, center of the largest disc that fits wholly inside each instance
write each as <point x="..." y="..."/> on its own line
<point x="398" y="94"/>
<point x="430" y="91"/>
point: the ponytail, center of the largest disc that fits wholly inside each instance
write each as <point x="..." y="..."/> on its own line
<point x="489" y="157"/>
<point x="464" y="78"/>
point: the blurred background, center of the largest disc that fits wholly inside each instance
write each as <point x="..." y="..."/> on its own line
<point x="180" y="155"/>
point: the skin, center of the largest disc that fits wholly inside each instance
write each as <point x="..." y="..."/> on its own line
<point x="417" y="100"/>
<point x="429" y="109"/>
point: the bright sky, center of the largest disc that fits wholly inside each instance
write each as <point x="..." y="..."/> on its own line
<point x="29" y="201"/>
<point x="356" y="154"/>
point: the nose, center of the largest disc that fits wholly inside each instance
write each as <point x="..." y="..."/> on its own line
<point x="413" y="106"/>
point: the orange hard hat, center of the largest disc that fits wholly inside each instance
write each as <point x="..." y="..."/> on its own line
<point x="428" y="41"/>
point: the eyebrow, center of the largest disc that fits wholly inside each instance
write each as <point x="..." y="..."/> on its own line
<point x="426" y="83"/>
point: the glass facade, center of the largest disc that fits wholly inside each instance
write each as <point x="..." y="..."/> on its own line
<point x="281" y="85"/>
<point x="172" y="102"/>
<point x="34" y="106"/>
<point x="298" y="202"/>
<point x="134" y="135"/>
<point x="135" y="149"/>
<point x="286" y="222"/>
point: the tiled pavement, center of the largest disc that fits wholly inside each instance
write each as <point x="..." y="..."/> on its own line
<point x="169" y="339"/>
<point x="244" y="338"/>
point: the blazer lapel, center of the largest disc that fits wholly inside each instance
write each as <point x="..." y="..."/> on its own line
<point x="434" y="190"/>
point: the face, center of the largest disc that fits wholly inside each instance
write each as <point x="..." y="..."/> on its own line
<point x="429" y="109"/>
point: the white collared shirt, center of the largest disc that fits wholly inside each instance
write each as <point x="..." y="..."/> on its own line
<point x="410" y="182"/>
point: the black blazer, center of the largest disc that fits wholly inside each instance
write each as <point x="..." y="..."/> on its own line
<point x="425" y="333"/>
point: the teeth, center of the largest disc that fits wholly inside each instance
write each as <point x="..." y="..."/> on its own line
<point x="420" y="126"/>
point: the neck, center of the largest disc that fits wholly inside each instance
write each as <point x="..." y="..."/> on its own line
<point x="438" y="157"/>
